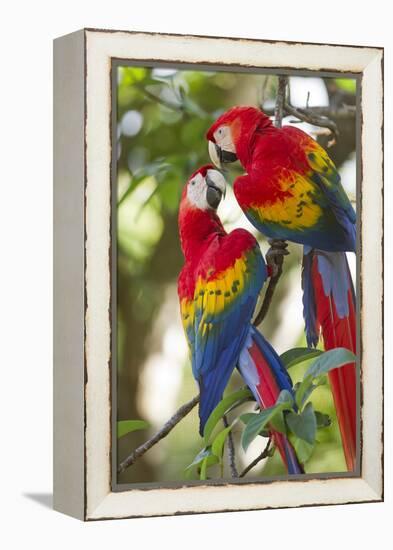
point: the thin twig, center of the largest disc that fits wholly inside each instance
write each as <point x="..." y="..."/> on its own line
<point x="159" y="99"/>
<point x="278" y="251"/>
<point x="312" y="118"/>
<point x="163" y="432"/>
<point x="308" y="99"/>
<point x="267" y="300"/>
<point x="263" y="91"/>
<point x="280" y="100"/>
<point x="231" y="450"/>
<point x="264" y="454"/>
<point x="345" y="112"/>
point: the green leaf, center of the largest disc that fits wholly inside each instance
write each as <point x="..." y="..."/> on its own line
<point x="303" y="425"/>
<point x="303" y="391"/>
<point x="285" y="399"/>
<point x="207" y="461"/>
<point x="303" y="449"/>
<point x="323" y="420"/>
<point x="246" y="417"/>
<point x="330" y="360"/>
<point x="219" y="441"/>
<point x="278" y="423"/>
<point x="295" y="356"/>
<point x="229" y="402"/>
<point x="203" y="453"/>
<point x="203" y="473"/>
<point x="256" y="424"/>
<point x="126" y="426"/>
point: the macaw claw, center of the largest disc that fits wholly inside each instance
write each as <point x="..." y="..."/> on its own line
<point x="275" y="256"/>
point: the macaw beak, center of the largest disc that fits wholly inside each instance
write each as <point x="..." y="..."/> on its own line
<point x="220" y="156"/>
<point x="216" y="187"/>
<point x="214" y="153"/>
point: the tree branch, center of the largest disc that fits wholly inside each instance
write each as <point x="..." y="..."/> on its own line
<point x="158" y="99"/>
<point x="280" y="100"/>
<point x="339" y="113"/>
<point x="231" y="450"/>
<point x="276" y="252"/>
<point x="264" y="454"/>
<point x="306" y="115"/>
<point x="318" y="116"/>
<point x="163" y="432"/>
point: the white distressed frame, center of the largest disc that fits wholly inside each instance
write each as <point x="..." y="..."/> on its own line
<point x="99" y="48"/>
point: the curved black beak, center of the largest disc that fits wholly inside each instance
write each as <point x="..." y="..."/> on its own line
<point x="225" y="156"/>
<point x="213" y="194"/>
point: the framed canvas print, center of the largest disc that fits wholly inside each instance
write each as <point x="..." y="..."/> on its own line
<point x="218" y="274"/>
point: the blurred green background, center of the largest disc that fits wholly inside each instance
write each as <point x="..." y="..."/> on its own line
<point x="163" y="115"/>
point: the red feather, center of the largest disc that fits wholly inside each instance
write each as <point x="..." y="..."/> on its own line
<point x="339" y="332"/>
<point x="268" y="391"/>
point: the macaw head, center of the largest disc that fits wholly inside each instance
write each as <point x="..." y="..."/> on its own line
<point x="229" y="137"/>
<point x="197" y="213"/>
<point x="205" y="188"/>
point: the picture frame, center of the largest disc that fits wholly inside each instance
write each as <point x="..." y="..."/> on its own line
<point x="84" y="255"/>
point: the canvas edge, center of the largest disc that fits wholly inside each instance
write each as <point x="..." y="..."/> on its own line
<point x="372" y="282"/>
<point x="97" y="507"/>
<point x="68" y="272"/>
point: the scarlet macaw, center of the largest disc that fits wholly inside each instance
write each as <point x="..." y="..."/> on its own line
<point x="292" y="191"/>
<point x="218" y="289"/>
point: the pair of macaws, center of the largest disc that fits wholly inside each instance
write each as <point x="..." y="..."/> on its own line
<point x="291" y="191"/>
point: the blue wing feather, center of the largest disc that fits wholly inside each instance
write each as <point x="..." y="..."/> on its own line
<point x="219" y="334"/>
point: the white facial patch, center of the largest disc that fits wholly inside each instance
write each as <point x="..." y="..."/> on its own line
<point x="197" y="188"/>
<point x="196" y="192"/>
<point x="223" y="138"/>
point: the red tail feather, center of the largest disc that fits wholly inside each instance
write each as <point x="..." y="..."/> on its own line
<point x="339" y="332"/>
<point x="268" y="391"/>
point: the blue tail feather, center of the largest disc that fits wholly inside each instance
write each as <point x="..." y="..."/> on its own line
<point x="336" y="280"/>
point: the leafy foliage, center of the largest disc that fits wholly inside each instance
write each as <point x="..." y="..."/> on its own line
<point x="163" y="106"/>
<point x="256" y="423"/>
<point x="295" y="356"/>
<point x="303" y="424"/>
<point x="124" y="427"/>
<point x="212" y="453"/>
<point x="225" y="406"/>
<point x="293" y="413"/>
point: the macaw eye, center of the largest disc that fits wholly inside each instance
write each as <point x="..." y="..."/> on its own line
<point x="220" y="131"/>
<point x="192" y="182"/>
